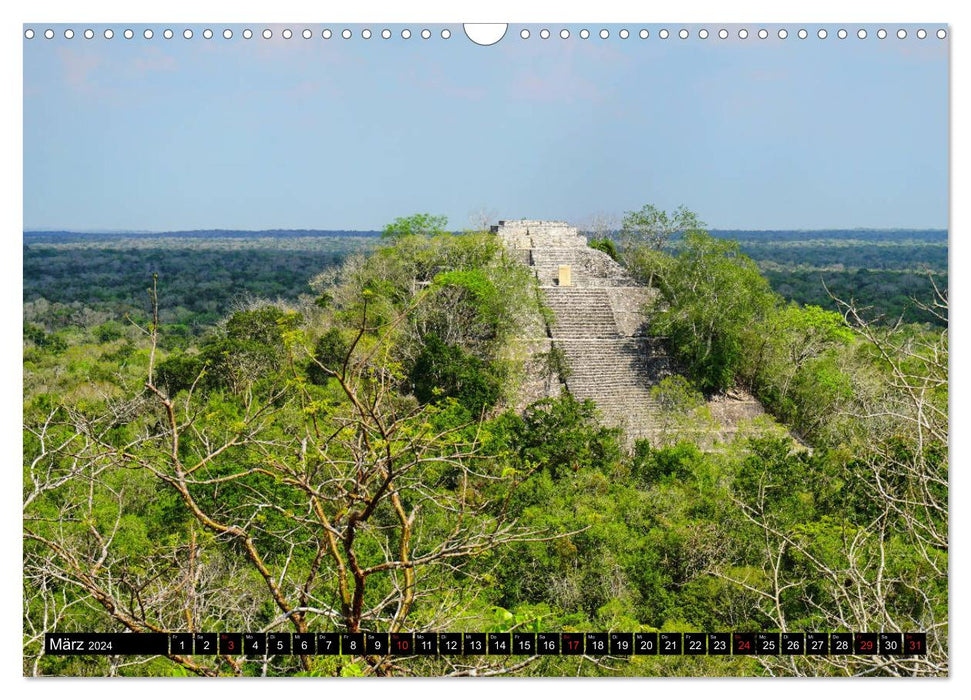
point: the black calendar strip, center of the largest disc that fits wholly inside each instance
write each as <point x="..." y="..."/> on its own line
<point x="257" y="644"/>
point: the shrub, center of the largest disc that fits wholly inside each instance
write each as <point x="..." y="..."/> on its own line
<point x="330" y="351"/>
<point x="178" y="372"/>
<point x="442" y="370"/>
<point x="564" y="434"/>
<point x="605" y="245"/>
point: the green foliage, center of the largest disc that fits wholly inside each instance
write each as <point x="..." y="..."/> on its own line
<point x="250" y="348"/>
<point x="563" y="435"/>
<point x="84" y="281"/>
<point x="108" y="331"/>
<point x="415" y="225"/>
<point x="330" y="351"/>
<point x="675" y="394"/>
<point x="447" y="371"/>
<point x="179" y="372"/>
<point x="650" y="466"/>
<point x="554" y="363"/>
<point x="47" y="341"/>
<point x="714" y="298"/>
<point x="796" y="365"/>
<point x="451" y="303"/>
<point x="263" y="326"/>
<point x="469" y="307"/>
<point x="605" y="245"/>
<point x="673" y="535"/>
<point x="653" y="228"/>
<point x="887" y="295"/>
<point x="351" y="670"/>
<point x="473" y="281"/>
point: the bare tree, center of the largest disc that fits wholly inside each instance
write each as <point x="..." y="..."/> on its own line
<point x="481" y="218"/>
<point x="900" y="468"/>
<point x="601" y="224"/>
<point x="346" y="514"/>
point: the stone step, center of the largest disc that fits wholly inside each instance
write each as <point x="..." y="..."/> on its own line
<point x="556" y="290"/>
<point x="572" y="312"/>
<point x="615" y="371"/>
<point x="581" y="313"/>
<point x="592" y="305"/>
<point x="598" y="303"/>
<point x="563" y="328"/>
<point x="604" y="381"/>
<point x="616" y="364"/>
<point x="615" y="390"/>
<point x="609" y="383"/>
<point x="582" y="296"/>
<point x="617" y="374"/>
<point x="595" y="382"/>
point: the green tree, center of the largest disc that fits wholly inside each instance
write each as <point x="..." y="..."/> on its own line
<point x="42" y="339"/>
<point x="179" y="372"/>
<point x="443" y="370"/>
<point x="564" y="435"/>
<point x="330" y="353"/>
<point x="797" y="365"/>
<point x="416" y="225"/>
<point x="653" y="227"/>
<point x="645" y="234"/>
<point x="286" y="506"/>
<point x="714" y="297"/>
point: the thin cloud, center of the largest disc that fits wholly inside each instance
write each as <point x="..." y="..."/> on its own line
<point x="430" y="75"/>
<point x="560" y="83"/>
<point x="78" y="68"/>
<point x="154" y="59"/>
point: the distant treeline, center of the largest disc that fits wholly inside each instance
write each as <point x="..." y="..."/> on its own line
<point x="75" y="236"/>
<point x="71" y="278"/>
<point x="858" y="234"/>
<point x="82" y="281"/>
<point x="874" y="235"/>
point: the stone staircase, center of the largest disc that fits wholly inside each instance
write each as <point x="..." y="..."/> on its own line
<point x="615" y="371"/>
<point x="598" y="323"/>
<point x="609" y="361"/>
<point x="581" y="313"/>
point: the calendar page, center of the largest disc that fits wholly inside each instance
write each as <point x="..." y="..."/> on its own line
<point x="549" y="349"/>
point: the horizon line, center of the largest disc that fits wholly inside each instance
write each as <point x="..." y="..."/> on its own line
<point x="118" y="231"/>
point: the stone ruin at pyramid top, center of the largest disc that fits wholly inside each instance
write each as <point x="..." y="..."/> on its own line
<point x="552" y="248"/>
<point x="534" y="233"/>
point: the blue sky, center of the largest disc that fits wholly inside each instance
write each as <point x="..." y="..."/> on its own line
<point x="253" y="134"/>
